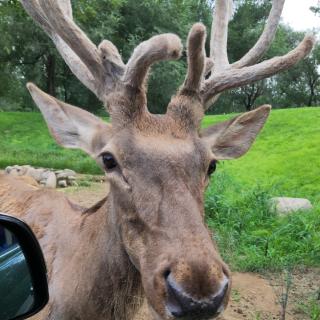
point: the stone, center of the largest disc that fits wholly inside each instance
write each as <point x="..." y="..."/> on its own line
<point x="18" y="170"/>
<point x="285" y="205"/>
<point x="65" y="174"/>
<point x="69" y="172"/>
<point x="62" y="183"/>
<point x="61" y="176"/>
<point x="51" y="181"/>
<point x="36" y="174"/>
<point x="48" y="178"/>
<point x="8" y="169"/>
<point x="45" y="174"/>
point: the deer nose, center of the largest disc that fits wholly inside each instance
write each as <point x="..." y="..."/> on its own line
<point x="182" y="305"/>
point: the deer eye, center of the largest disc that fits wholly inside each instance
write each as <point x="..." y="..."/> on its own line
<point x="212" y="167"/>
<point x="109" y="161"/>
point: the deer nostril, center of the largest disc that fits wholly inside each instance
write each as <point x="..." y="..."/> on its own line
<point x="180" y="304"/>
<point x="166" y="273"/>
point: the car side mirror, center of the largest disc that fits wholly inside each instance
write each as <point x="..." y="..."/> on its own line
<point x="23" y="275"/>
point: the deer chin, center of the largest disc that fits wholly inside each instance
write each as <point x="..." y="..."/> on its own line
<point x="169" y="316"/>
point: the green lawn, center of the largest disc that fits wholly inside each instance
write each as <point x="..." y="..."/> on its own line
<point x="285" y="156"/>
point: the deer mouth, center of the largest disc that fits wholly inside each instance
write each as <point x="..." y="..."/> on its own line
<point x="173" y="302"/>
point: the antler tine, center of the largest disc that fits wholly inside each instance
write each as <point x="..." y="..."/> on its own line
<point x="34" y="10"/>
<point x="196" y="59"/>
<point x="242" y="72"/>
<point x="266" y="38"/>
<point x="158" y="48"/>
<point x="219" y="34"/>
<point x="209" y="64"/>
<point x="76" y="65"/>
<point x="232" y="78"/>
<point x="185" y="108"/>
<point x="73" y="36"/>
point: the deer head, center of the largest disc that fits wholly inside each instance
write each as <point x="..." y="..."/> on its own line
<point x="158" y="166"/>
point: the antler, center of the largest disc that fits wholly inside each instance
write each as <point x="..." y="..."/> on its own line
<point x="101" y="68"/>
<point x="185" y="108"/>
<point x="225" y="76"/>
<point x="158" y="48"/>
<point x="80" y="54"/>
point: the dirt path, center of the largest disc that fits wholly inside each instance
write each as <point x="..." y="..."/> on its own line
<point x="254" y="296"/>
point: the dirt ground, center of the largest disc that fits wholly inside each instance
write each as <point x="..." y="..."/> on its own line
<point x="254" y="296"/>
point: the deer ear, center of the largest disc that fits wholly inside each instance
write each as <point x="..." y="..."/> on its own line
<point x="233" y="138"/>
<point x="71" y="127"/>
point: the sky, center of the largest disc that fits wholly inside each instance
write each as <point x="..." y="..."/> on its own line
<point x="296" y="13"/>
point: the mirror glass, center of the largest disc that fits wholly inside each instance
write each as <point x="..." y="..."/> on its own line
<point x="16" y="290"/>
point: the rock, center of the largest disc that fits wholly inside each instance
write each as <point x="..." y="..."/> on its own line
<point x="45" y="174"/>
<point x="49" y="178"/>
<point x="8" y="169"/>
<point x="285" y="205"/>
<point x="65" y="174"/>
<point x="62" y="183"/>
<point x="36" y="174"/>
<point x="18" y="170"/>
<point x="70" y="172"/>
<point x="51" y="181"/>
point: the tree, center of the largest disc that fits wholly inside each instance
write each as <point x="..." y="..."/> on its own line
<point x="316" y="9"/>
<point x="300" y="86"/>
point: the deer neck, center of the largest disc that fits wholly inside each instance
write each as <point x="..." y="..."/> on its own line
<point x="125" y="280"/>
<point x="101" y="276"/>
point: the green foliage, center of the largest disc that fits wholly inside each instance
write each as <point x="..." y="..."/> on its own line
<point x="250" y="235"/>
<point x="311" y="307"/>
<point x="301" y="84"/>
<point x="246" y="26"/>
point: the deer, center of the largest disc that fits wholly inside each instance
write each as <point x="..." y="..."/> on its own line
<point x="147" y="239"/>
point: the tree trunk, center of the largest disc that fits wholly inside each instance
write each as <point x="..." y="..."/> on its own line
<point x="312" y="85"/>
<point x="50" y="71"/>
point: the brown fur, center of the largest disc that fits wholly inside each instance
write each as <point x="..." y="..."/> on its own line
<point x="103" y="260"/>
<point x="151" y="223"/>
<point x="72" y="262"/>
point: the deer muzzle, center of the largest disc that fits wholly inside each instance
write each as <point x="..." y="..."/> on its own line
<point x="184" y="306"/>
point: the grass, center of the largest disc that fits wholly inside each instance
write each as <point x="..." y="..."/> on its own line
<point x="251" y="236"/>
